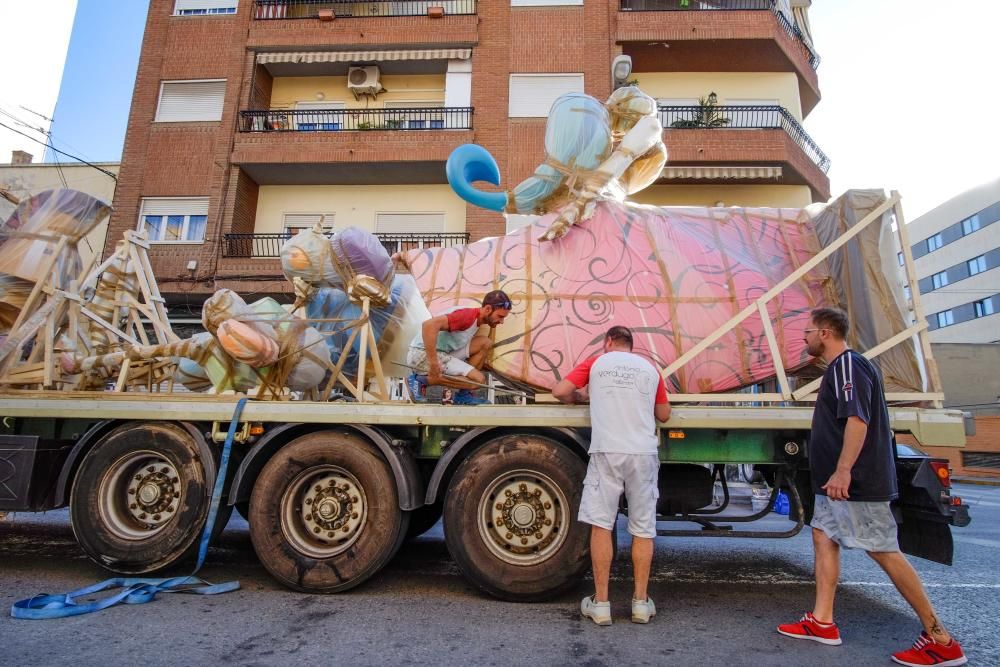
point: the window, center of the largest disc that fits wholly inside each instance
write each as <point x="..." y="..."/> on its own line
<point x="203" y="7"/>
<point x="531" y="95"/>
<point x="899" y="258"/>
<point x="417" y="120"/>
<point x="939" y="280"/>
<point x="934" y="242"/>
<point x="322" y="115"/>
<point x="983" y="307"/>
<point x="293" y="223"/>
<point x="176" y="220"/>
<point x="906" y="292"/>
<point x="945" y="318"/>
<point x="977" y="265"/>
<point x="182" y="101"/>
<point x="970" y="225"/>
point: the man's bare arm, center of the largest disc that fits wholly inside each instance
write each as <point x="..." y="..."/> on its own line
<point x="567" y="392"/>
<point x="429" y="333"/>
<point x="661" y="411"/>
<point x="854" y="439"/>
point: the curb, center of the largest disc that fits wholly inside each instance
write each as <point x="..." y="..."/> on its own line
<point x="978" y="481"/>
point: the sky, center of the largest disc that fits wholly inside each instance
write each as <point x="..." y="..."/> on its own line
<point x="907" y="102"/>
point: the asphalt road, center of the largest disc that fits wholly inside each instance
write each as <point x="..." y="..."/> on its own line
<point x="718" y="603"/>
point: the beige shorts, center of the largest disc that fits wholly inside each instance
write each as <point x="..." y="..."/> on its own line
<point x="453" y="363"/>
<point x="608" y="476"/>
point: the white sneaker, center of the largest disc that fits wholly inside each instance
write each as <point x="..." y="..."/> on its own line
<point x="598" y="612"/>
<point x="643" y="610"/>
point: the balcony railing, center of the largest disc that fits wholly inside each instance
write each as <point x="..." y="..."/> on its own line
<point x="723" y="5"/>
<point x="264" y="246"/>
<point x="331" y="120"/>
<point x="743" y="118"/>
<point x="306" y="9"/>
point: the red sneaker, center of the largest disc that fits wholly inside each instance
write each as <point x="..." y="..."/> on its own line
<point x="926" y="651"/>
<point x="810" y="628"/>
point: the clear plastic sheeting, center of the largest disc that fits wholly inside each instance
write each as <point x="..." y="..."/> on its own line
<point x="675" y="276"/>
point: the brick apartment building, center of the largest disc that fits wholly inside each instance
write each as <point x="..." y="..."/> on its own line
<point x="252" y="118"/>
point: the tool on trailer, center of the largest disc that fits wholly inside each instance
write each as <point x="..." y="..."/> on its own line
<point x="141" y="590"/>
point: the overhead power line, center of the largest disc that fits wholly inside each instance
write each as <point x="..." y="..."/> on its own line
<point x="69" y="155"/>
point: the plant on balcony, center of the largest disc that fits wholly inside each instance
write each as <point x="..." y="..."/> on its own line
<point x="707" y="115"/>
<point x="393" y="124"/>
<point x="365" y="125"/>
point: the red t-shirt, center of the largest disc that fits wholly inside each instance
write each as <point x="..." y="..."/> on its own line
<point x="462" y="319"/>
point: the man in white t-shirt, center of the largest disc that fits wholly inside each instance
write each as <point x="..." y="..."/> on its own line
<point x="627" y="397"/>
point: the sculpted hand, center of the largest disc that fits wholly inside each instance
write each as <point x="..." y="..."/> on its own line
<point x="836" y="487"/>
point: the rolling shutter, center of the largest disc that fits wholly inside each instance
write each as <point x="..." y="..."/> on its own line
<point x="191" y="100"/>
<point x="409" y="223"/>
<point x="531" y="95"/>
<point x="206" y="5"/>
<point x="173" y="206"/>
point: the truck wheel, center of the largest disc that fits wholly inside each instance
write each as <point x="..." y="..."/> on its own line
<point x="141" y="498"/>
<point x="510" y="518"/>
<point x="324" y="513"/>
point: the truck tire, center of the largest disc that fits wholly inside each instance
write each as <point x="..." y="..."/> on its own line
<point x="510" y="518"/>
<point x="141" y="497"/>
<point x="324" y="513"/>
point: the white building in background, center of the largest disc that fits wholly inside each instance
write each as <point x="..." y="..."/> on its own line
<point x="22" y="178"/>
<point x="956" y="249"/>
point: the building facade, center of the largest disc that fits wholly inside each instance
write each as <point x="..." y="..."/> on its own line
<point x="253" y="118"/>
<point x="956" y="252"/>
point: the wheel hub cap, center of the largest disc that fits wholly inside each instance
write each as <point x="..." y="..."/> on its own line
<point x="325" y="511"/>
<point x="522" y="517"/>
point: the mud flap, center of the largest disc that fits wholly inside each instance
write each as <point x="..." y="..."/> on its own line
<point x="925" y="538"/>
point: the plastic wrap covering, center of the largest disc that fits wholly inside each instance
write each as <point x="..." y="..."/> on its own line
<point x="308" y="256"/>
<point x="674" y="275"/>
<point x="393" y="325"/>
<point x="29" y="237"/>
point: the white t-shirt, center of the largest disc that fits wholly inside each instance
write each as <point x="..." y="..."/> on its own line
<point x="624" y="387"/>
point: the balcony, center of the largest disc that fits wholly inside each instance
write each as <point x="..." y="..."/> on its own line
<point x="336" y="9"/>
<point x="717" y="36"/>
<point x="746" y="135"/>
<point x="333" y="120"/>
<point x="265" y="246"/>
<point x="350" y="146"/>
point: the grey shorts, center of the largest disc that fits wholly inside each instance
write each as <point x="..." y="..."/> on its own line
<point x="608" y="475"/>
<point x="856" y="524"/>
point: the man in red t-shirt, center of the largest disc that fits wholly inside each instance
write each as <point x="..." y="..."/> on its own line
<point x="448" y="349"/>
<point x="627" y="397"/>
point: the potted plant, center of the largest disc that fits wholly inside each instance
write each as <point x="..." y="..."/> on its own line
<point x="707" y="115"/>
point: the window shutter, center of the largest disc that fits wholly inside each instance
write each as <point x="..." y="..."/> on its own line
<point x="531" y="95"/>
<point x="183" y="5"/>
<point x="173" y="206"/>
<point x="307" y="220"/>
<point x="191" y="100"/>
<point x="407" y="223"/>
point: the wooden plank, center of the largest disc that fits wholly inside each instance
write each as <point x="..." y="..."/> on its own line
<point x="918" y="307"/>
<point x="363" y="354"/>
<point x="117" y="332"/>
<point x="772" y="343"/>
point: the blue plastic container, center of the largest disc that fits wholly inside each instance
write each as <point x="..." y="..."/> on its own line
<point x="781" y="503"/>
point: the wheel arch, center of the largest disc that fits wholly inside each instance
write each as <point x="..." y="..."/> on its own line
<point x="471" y="440"/>
<point x="401" y="460"/>
<point x="92" y="438"/>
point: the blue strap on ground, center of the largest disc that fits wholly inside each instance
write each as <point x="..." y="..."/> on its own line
<point x="137" y="590"/>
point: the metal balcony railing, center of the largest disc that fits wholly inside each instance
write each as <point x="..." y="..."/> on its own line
<point x="743" y="118"/>
<point x="723" y="5"/>
<point x="331" y="120"/>
<point x="305" y="9"/>
<point x="263" y="246"/>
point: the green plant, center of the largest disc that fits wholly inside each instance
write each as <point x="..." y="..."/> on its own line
<point x="707" y="115"/>
<point x="365" y="125"/>
<point x="393" y="124"/>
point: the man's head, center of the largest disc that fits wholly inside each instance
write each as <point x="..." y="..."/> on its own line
<point x="618" y="338"/>
<point x="496" y="306"/>
<point x="827" y="327"/>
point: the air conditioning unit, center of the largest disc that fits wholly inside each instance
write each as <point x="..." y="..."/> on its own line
<point x="364" y="80"/>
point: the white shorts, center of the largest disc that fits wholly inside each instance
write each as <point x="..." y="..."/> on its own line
<point x="608" y="475"/>
<point x="856" y="524"/>
<point x="452" y="363"/>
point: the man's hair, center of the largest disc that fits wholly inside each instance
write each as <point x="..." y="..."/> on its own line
<point x="498" y="299"/>
<point x="621" y="335"/>
<point x="833" y="319"/>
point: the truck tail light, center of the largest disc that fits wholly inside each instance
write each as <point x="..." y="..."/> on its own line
<point x="941" y="470"/>
<point x="955" y="500"/>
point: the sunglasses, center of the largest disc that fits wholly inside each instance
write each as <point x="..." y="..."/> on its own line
<point x="810" y="330"/>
